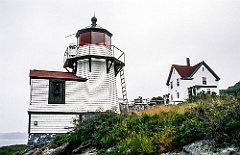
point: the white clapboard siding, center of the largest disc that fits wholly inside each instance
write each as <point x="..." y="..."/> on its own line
<point x="101" y="86"/>
<point x="74" y="99"/>
<point x="52" y="123"/>
<point x="94" y="50"/>
<point x="39" y="91"/>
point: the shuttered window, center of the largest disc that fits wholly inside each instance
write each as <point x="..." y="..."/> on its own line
<point x="56" y="93"/>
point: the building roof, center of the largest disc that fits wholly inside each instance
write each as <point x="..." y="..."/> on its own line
<point x="187" y="71"/>
<point x="44" y="74"/>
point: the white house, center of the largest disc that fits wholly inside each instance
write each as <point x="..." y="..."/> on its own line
<point x="186" y="80"/>
<point x="89" y="84"/>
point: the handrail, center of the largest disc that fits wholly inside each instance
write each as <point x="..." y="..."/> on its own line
<point x="101" y="50"/>
<point x="120" y="51"/>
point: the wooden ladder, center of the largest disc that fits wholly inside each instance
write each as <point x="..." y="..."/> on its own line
<point x="124" y="90"/>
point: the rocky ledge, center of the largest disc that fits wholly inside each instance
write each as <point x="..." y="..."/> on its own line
<point x="201" y="147"/>
<point x="207" y="147"/>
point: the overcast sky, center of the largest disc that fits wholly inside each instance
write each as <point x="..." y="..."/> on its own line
<point x="153" y="34"/>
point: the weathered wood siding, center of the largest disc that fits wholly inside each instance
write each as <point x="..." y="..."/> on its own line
<point x="94" y="50"/>
<point x="75" y="99"/>
<point x="51" y="123"/>
<point x="39" y="91"/>
<point x="54" y="118"/>
<point x="101" y="91"/>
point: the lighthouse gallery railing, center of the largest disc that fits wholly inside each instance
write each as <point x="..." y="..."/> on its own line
<point x="98" y="50"/>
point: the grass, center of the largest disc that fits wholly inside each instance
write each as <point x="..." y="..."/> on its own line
<point x="161" y="128"/>
<point x="176" y="109"/>
<point x="9" y="150"/>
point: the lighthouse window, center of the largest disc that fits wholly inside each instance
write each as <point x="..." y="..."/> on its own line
<point x="85" y="39"/>
<point x="107" y="41"/>
<point x="97" y="38"/>
<point x="56" y="92"/>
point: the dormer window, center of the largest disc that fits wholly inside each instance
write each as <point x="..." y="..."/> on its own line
<point x="202" y="68"/>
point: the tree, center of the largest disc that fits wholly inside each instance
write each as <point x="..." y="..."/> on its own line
<point x="158" y="99"/>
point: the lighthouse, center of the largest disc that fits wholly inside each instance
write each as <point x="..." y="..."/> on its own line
<point x="96" y="59"/>
<point x="87" y="86"/>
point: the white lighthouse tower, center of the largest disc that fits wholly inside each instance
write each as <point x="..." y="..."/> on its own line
<point x="96" y="59"/>
<point x="58" y="98"/>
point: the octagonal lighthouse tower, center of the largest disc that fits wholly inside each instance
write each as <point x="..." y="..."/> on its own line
<point x="94" y="57"/>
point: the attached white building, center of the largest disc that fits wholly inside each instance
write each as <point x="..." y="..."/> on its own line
<point x="55" y="101"/>
<point x="186" y="80"/>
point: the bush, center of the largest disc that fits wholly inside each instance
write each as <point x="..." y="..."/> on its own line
<point x="211" y="117"/>
<point x="190" y="131"/>
<point x="93" y="129"/>
<point x="59" y="140"/>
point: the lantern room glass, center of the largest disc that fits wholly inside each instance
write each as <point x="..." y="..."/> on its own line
<point x="107" y="41"/>
<point x="97" y="38"/>
<point x="85" y="39"/>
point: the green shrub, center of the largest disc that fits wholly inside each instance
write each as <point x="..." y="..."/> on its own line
<point x="94" y="129"/>
<point x="190" y="130"/>
<point x="210" y="116"/>
<point x="232" y="126"/>
<point x="59" y="140"/>
<point x="221" y="117"/>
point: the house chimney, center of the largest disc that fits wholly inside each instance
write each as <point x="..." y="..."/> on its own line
<point x="188" y="62"/>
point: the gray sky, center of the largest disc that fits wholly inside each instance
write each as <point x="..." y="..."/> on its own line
<point x="153" y="34"/>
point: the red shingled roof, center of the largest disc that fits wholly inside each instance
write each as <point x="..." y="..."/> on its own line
<point x="186" y="71"/>
<point x="54" y="75"/>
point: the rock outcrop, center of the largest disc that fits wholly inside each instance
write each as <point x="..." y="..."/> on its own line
<point x="201" y="147"/>
<point x="207" y="147"/>
<point x="37" y="140"/>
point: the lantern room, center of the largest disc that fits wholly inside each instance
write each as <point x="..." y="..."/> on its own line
<point x="94" y="35"/>
<point x="93" y="44"/>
